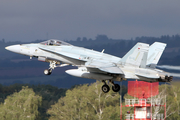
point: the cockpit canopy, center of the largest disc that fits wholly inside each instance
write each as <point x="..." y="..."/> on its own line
<point x="54" y="42"/>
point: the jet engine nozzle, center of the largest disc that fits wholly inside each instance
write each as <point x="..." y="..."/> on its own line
<point x="170" y="78"/>
<point x="165" y="78"/>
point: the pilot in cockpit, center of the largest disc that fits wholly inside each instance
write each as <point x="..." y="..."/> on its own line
<point x="58" y="43"/>
<point x="50" y="42"/>
<point x="54" y="43"/>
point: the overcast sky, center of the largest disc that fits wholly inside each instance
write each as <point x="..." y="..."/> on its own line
<point x="28" y="20"/>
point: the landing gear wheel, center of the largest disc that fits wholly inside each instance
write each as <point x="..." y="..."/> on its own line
<point x="47" y="72"/>
<point x="115" y="87"/>
<point x="105" y="88"/>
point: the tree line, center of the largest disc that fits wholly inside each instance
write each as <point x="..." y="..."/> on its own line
<point x="82" y="102"/>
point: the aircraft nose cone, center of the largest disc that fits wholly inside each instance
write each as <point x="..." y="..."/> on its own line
<point x="13" y="48"/>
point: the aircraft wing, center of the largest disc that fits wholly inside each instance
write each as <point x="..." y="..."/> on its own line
<point x="103" y="67"/>
<point x="93" y="65"/>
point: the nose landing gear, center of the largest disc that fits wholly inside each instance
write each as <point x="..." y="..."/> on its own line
<point x="47" y="71"/>
<point x="52" y="65"/>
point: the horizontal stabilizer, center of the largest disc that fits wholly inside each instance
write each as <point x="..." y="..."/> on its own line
<point x="147" y="76"/>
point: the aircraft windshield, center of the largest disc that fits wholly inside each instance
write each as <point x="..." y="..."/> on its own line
<point x="53" y="42"/>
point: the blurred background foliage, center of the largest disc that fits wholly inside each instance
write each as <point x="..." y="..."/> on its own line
<point x="46" y="102"/>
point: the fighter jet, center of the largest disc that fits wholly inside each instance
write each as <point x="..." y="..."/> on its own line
<point x="139" y="63"/>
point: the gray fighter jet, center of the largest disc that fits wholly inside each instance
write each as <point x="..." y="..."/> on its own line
<point x="139" y="63"/>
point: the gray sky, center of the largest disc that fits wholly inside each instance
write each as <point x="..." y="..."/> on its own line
<point x="27" y="20"/>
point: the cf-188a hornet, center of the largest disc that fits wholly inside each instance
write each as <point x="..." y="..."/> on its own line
<point x="139" y="63"/>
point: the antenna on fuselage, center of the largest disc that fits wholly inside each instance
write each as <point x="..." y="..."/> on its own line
<point x="102" y="51"/>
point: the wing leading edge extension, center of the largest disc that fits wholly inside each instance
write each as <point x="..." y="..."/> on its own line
<point x="62" y="53"/>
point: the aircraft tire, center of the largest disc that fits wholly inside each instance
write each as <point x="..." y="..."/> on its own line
<point x="115" y="87"/>
<point x="105" y="88"/>
<point x="47" y="72"/>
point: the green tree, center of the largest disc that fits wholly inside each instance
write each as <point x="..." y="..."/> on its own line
<point x="50" y="95"/>
<point x="168" y="93"/>
<point x="172" y="100"/>
<point x="22" y="105"/>
<point x="102" y="38"/>
<point x="86" y="103"/>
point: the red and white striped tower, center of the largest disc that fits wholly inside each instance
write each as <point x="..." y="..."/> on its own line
<point x="143" y="102"/>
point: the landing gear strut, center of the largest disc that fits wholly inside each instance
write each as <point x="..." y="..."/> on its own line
<point x="52" y="65"/>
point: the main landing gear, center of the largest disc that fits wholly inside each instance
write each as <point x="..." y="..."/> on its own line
<point x="105" y="87"/>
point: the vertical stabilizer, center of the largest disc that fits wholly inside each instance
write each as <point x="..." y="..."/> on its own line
<point x="137" y="56"/>
<point x="144" y="60"/>
<point x="155" y="52"/>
